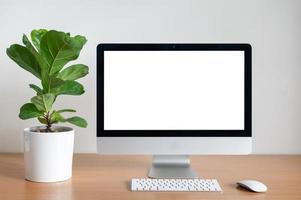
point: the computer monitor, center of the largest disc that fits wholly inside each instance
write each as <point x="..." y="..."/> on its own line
<point x="173" y="100"/>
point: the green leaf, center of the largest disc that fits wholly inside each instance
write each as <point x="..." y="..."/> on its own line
<point x="74" y="72"/>
<point x="78" y="121"/>
<point x="31" y="48"/>
<point x="57" y="117"/>
<point x="65" y="110"/>
<point x="36" y="36"/>
<point x="68" y="88"/>
<point x="28" y="111"/>
<point x="42" y="120"/>
<point x="58" y="48"/>
<point x="43" y="102"/>
<point x="42" y="63"/>
<point x="55" y="82"/>
<point x="24" y="58"/>
<point x="28" y="45"/>
<point x="36" y="88"/>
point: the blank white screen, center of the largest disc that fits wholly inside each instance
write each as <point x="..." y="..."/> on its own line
<point x="173" y="90"/>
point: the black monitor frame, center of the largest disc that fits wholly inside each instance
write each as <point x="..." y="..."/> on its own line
<point x="174" y="133"/>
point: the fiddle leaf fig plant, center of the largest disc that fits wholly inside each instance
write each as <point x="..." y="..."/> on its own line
<point x="45" y="56"/>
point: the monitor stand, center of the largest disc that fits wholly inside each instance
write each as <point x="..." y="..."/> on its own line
<point x="171" y="166"/>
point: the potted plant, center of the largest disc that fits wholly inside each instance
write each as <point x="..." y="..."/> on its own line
<point x="48" y="149"/>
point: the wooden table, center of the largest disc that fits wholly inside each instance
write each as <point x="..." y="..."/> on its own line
<point x="108" y="177"/>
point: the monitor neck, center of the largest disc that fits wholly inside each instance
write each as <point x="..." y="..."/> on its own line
<point x="171" y="166"/>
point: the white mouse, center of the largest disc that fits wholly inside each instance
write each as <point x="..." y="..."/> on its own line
<point x="253" y="185"/>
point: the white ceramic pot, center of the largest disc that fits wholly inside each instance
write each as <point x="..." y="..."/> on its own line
<point x="48" y="156"/>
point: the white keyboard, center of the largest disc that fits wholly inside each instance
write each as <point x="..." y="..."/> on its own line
<point x="184" y="185"/>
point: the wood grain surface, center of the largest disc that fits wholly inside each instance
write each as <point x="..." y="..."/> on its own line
<point x="108" y="177"/>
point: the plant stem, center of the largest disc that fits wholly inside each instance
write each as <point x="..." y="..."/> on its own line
<point x="49" y="124"/>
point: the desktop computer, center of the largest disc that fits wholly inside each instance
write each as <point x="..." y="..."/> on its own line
<point x="172" y="101"/>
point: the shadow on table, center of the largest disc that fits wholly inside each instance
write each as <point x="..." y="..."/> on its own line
<point x="128" y="185"/>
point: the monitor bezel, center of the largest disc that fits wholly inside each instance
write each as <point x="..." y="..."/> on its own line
<point x="101" y="48"/>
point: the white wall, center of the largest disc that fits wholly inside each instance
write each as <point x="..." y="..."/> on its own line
<point x="273" y="27"/>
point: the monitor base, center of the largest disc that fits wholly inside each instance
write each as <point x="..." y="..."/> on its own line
<point x="171" y="166"/>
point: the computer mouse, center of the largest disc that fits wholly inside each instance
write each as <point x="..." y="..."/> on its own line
<point x="253" y="185"/>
